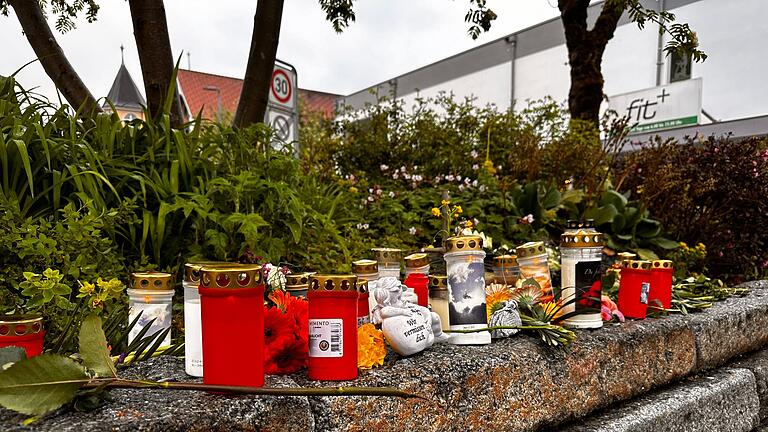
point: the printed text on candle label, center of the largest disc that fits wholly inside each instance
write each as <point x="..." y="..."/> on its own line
<point x="326" y="338"/>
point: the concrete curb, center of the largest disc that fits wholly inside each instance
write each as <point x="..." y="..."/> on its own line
<point x="722" y="401"/>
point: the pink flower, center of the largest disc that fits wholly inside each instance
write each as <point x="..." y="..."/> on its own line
<point x="609" y="310"/>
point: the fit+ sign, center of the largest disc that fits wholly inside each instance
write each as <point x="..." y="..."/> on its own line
<point x="658" y="108"/>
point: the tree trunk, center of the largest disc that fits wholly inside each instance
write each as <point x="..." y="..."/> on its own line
<point x="261" y="62"/>
<point x="150" y="29"/>
<point x="585" y="55"/>
<point x="52" y="57"/>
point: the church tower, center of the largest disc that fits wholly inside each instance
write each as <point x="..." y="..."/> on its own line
<point x="125" y="95"/>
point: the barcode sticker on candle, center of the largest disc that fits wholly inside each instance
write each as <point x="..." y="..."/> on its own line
<point x="326" y="338"/>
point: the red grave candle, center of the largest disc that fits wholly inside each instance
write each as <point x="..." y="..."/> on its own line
<point x="23" y="331"/>
<point x="661" y="284"/>
<point x="420" y="284"/>
<point x="363" y="312"/>
<point x="333" y="316"/>
<point x="232" y="320"/>
<point x="634" y="288"/>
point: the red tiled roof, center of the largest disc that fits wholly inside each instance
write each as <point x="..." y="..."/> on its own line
<point x="193" y="85"/>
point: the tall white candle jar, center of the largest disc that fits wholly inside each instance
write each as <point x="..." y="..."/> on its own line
<point x="581" y="254"/>
<point x="532" y="261"/>
<point x="464" y="258"/>
<point x="388" y="260"/>
<point x="193" y="338"/>
<point x="438" y="298"/>
<point x="151" y="296"/>
<point x="416" y="263"/>
<point x="368" y="270"/>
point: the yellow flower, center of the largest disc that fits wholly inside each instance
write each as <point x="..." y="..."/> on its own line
<point x="458" y="210"/>
<point x="370" y="347"/>
<point x="488" y="165"/>
<point x="469" y="224"/>
<point x="553" y="307"/>
<point x="684" y="245"/>
<point x="87" y="288"/>
<point x="353" y="189"/>
<point x="445" y="202"/>
<point x="435" y="212"/>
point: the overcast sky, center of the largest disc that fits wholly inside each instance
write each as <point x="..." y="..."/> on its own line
<point x="390" y="37"/>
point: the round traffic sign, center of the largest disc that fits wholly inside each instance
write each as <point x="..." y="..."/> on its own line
<point x="282" y="127"/>
<point x="281" y="86"/>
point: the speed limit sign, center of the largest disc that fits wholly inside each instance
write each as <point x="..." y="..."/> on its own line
<point x="281" y="90"/>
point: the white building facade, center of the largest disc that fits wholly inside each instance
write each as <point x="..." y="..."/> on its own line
<point x="533" y="63"/>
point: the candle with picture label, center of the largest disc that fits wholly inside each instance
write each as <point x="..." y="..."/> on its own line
<point x="581" y="255"/>
<point x="151" y="296"/>
<point x="466" y="288"/>
<point x="634" y="288"/>
<point x="532" y="259"/>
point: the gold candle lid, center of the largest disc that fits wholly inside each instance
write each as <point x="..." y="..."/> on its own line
<point x="438" y="283"/>
<point x="192" y="269"/>
<point x="506" y="260"/>
<point x="575" y="224"/>
<point x="662" y="264"/>
<point x="297" y="281"/>
<point x="365" y="266"/>
<point x="625" y="256"/>
<point x="387" y="255"/>
<point x="531" y="249"/>
<point x="638" y="265"/>
<point x="362" y="286"/>
<point x="20" y="325"/>
<point x="416" y="260"/>
<point x="155" y="281"/>
<point x="342" y="283"/>
<point x="232" y="276"/>
<point x="463" y="243"/>
<point x="581" y="239"/>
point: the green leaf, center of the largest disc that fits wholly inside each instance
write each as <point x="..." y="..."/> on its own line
<point x="93" y="347"/>
<point x="40" y="384"/>
<point x="664" y="243"/>
<point x="646" y="254"/>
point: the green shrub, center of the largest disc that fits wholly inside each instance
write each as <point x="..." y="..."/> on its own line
<point x="713" y="193"/>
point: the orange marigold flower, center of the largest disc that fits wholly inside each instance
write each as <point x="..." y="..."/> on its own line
<point x="370" y="347"/>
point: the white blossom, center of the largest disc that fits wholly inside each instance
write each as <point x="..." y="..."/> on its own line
<point x="474" y="154"/>
<point x="391" y="194"/>
<point x="475" y="167"/>
<point x="412" y="231"/>
<point x="384" y="167"/>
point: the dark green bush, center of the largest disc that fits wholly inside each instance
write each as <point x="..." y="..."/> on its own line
<point x="713" y="192"/>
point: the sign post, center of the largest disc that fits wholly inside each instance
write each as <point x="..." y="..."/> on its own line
<point x="659" y="108"/>
<point x="283" y="108"/>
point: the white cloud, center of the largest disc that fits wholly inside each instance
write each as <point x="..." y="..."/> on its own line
<point x="390" y="37"/>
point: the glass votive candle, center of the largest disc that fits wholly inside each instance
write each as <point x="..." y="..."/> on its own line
<point x="416" y="263"/>
<point x="151" y="296"/>
<point x="297" y="284"/>
<point x="388" y="260"/>
<point x="505" y="269"/>
<point x="439" y="299"/>
<point x="332" y="327"/>
<point x="532" y="261"/>
<point x="23" y="331"/>
<point x="581" y="257"/>
<point x="464" y="261"/>
<point x="660" y="295"/>
<point x="634" y="287"/>
<point x="232" y="321"/>
<point x="193" y="337"/>
<point x="368" y="270"/>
